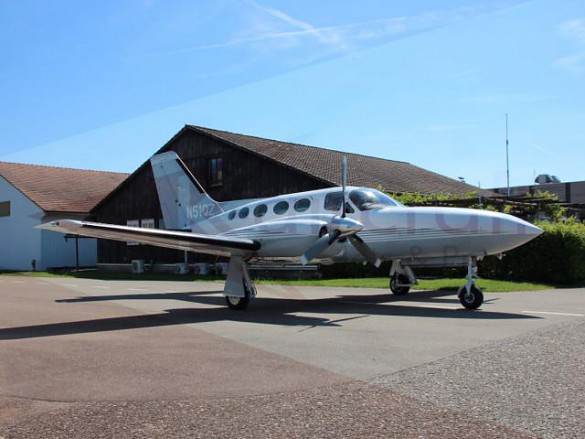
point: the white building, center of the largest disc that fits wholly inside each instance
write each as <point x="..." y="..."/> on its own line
<point x="31" y="195"/>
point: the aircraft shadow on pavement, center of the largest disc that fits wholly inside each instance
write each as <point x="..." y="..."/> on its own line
<point x="267" y="311"/>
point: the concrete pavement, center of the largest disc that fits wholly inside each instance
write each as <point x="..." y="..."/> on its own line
<point x="73" y="341"/>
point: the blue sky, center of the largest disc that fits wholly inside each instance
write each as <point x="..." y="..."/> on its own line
<point x="102" y="85"/>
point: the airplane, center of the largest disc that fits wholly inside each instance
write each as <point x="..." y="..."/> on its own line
<point x="340" y="224"/>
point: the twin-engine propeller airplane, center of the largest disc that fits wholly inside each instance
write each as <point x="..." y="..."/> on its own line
<point x="343" y="224"/>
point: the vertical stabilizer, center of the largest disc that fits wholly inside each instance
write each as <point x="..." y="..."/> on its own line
<point x="182" y="199"/>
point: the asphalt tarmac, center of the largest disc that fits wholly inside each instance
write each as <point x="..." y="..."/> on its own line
<point x="85" y="358"/>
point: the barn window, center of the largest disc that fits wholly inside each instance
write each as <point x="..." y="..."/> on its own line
<point x="5" y="208"/>
<point x="147" y="223"/>
<point x="216" y="172"/>
<point x="133" y="223"/>
<point x="280" y="207"/>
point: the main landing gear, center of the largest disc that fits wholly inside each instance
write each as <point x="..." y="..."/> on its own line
<point x="470" y="296"/>
<point x="239" y="289"/>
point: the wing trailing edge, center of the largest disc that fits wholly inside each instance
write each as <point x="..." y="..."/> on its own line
<point x="179" y="240"/>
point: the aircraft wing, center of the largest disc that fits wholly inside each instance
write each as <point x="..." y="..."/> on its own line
<point x="195" y="242"/>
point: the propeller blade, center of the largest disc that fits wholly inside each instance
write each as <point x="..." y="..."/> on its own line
<point x="322" y="244"/>
<point x="365" y="250"/>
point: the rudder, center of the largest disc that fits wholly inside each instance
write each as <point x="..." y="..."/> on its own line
<point x="183" y="200"/>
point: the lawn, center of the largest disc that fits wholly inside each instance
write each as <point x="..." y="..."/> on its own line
<point x="375" y="282"/>
<point x="424" y="284"/>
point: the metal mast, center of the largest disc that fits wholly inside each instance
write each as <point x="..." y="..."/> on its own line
<point x="507" y="159"/>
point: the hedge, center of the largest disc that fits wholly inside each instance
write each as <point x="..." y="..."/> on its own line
<point x="557" y="256"/>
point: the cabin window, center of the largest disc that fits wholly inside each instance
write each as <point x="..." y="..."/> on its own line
<point x="216" y="172"/>
<point x="280" y="207"/>
<point x="232" y="215"/>
<point x="260" y="210"/>
<point x="244" y="212"/>
<point x="302" y="205"/>
<point x="5" y="208"/>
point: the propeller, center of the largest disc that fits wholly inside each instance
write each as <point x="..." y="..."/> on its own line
<point x="323" y="243"/>
<point x="342" y="227"/>
<point x="365" y="250"/>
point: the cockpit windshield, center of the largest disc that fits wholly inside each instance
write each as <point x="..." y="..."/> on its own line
<point x="367" y="199"/>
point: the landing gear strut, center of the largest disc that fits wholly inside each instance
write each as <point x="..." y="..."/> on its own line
<point x="470" y="296"/>
<point x="239" y="289"/>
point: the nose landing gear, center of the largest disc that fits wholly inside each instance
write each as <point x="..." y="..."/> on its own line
<point x="470" y="296"/>
<point x="401" y="278"/>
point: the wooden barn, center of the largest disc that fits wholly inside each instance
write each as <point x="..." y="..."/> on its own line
<point x="235" y="166"/>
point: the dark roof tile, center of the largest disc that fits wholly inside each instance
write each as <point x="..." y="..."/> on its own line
<point x="363" y="170"/>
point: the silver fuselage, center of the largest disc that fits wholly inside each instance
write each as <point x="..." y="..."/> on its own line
<point x="392" y="232"/>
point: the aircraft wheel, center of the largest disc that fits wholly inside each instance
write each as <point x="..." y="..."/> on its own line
<point x="237" y="303"/>
<point x="472" y="299"/>
<point x="240" y="303"/>
<point x="394" y="284"/>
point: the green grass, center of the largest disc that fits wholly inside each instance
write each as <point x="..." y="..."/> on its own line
<point x="376" y="282"/>
<point x="424" y="284"/>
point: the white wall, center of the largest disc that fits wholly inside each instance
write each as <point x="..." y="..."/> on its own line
<point x="56" y="252"/>
<point x="20" y="242"/>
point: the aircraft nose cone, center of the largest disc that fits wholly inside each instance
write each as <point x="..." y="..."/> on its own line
<point x="531" y="229"/>
<point x="520" y="227"/>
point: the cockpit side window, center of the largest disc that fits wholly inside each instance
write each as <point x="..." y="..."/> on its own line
<point x="366" y="199"/>
<point x="333" y="202"/>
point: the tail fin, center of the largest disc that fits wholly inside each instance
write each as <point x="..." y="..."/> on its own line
<point x="182" y="199"/>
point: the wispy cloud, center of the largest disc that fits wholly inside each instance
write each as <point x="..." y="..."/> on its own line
<point x="573" y="31"/>
<point x="276" y="30"/>
<point x="303" y="28"/>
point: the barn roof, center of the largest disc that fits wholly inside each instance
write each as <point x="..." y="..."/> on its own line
<point x="363" y="170"/>
<point x="325" y="165"/>
<point x="61" y="189"/>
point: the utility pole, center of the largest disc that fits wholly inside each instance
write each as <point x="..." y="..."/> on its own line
<point x="507" y="159"/>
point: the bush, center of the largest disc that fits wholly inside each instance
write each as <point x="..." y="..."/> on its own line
<point x="557" y="256"/>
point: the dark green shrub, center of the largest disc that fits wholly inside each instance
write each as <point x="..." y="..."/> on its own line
<point x="557" y="256"/>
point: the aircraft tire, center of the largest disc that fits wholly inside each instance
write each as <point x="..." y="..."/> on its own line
<point x="237" y="303"/>
<point x="399" y="279"/>
<point x="471" y="300"/>
<point x="241" y="303"/>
